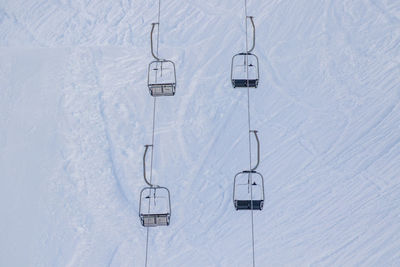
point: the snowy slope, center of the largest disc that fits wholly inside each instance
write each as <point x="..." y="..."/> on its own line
<point x="75" y="113"/>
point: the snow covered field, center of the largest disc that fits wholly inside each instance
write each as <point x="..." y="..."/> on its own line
<point x="75" y="114"/>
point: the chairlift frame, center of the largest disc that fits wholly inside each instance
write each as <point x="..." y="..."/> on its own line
<point x="149" y="219"/>
<point x="245" y="204"/>
<point x="243" y="83"/>
<point x="159" y="88"/>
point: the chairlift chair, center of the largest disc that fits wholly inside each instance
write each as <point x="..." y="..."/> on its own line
<point x="245" y="66"/>
<point x="248" y="186"/>
<point x="161" y="74"/>
<point x="240" y="76"/>
<point x="248" y="191"/>
<point x="154" y="203"/>
<point x="155" y="206"/>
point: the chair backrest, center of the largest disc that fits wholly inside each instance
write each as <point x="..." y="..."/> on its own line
<point x="162" y="89"/>
<point x="151" y="220"/>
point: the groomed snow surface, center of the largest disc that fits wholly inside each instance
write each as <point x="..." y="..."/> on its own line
<point x="75" y="114"/>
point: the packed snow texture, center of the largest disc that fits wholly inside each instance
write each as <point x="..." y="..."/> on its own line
<point x="75" y="114"/>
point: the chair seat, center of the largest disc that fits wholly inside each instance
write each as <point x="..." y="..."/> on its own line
<point x="152" y="220"/>
<point x="246" y="204"/>
<point x="162" y="89"/>
<point x="243" y="83"/>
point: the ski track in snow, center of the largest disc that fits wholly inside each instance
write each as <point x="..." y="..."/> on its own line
<point x="327" y="110"/>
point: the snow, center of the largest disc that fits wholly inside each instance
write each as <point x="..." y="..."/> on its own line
<point x="75" y="115"/>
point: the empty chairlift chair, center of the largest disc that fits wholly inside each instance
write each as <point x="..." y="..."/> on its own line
<point x="161" y="75"/>
<point x="155" y="202"/>
<point x="239" y="75"/>
<point x="155" y="209"/>
<point x="248" y="191"/>
<point x="245" y="66"/>
<point x="248" y="187"/>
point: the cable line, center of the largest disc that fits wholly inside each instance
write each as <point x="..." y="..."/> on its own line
<point x="151" y="175"/>
<point x="249" y="128"/>
<point x="161" y="81"/>
<point x="245" y="74"/>
<point x="152" y="134"/>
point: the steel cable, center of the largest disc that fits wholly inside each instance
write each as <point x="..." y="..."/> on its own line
<point x="249" y="132"/>
<point x="152" y="136"/>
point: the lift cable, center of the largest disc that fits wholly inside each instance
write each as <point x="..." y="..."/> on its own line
<point x="151" y="174"/>
<point x="152" y="135"/>
<point x="249" y="128"/>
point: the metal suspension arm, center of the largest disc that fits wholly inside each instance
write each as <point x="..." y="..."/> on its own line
<point x="151" y="40"/>
<point x="258" y="149"/>
<point x="254" y="34"/>
<point x="144" y="166"/>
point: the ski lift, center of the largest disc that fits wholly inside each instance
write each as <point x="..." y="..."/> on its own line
<point x="161" y="74"/>
<point x="155" y="207"/>
<point x="245" y="67"/>
<point x="248" y="186"/>
<point x="154" y="203"/>
<point x="248" y="191"/>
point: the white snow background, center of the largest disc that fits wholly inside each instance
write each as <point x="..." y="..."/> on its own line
<point x="75" y="114"/>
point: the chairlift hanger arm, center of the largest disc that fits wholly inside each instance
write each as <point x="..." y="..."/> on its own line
<point x="144" y="166"/>
<point x="151" y="40"/>
<point x="254" y="33"/>
<point x="258" y="149"/>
